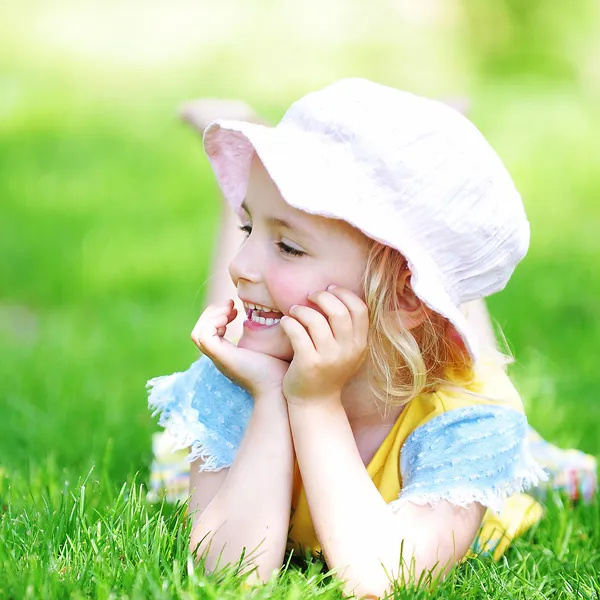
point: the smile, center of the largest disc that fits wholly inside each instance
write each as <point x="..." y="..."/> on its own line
<point x="262" y="315"/>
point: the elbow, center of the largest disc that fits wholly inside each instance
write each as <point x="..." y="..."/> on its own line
<point x="206" y="545"/>
<point x="363" y="582"/>
<point x="198" y="544"/>
<point x="382" y="587"/>
<point x="217" y="552"/>
<point x="420" y="571"/>
<point x="366" y="591"/>
<point x="372" y="587"/>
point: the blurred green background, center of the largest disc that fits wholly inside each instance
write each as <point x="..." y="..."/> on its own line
<point x="108" y="208"/>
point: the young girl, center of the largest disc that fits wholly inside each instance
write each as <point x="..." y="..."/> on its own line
<point x="356" y="416"/>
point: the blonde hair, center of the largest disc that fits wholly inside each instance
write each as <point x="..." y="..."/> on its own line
<point x="406" y="363"/>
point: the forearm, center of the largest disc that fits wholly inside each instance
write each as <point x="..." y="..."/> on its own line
<point x="250" y="512"/>
<point x="360" y="535"/>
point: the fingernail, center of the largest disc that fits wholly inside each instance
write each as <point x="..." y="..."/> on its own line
<point x="331" y="287"/>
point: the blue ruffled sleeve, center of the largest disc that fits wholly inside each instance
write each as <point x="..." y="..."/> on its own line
<point x="203" y="410"/>
<point x="471" y="454"/>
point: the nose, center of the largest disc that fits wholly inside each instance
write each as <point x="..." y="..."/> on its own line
<point x="245" y="265"/>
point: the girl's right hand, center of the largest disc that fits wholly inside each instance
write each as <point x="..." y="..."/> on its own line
<point x="260" y="374"/>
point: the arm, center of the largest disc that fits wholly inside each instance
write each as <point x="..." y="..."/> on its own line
<point x="247" y="510"/>
<point x="261" y="474"/>
<point x="250" y="507"/>
<point x="361" y="536"/>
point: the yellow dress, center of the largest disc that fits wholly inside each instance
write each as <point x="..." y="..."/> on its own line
<point x="491" y="387"/>
<point x="460" y="444"/>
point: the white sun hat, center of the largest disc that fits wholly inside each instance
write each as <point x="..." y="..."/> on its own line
<point x="407" y="171"/>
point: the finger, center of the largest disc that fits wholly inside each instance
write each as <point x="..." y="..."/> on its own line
<point x="210" y="341"/>
<point x="209" y="326"/>
<point x="338" y="315"/>
<point x="214" y="310"/>
<point x="358" y="311"/>
<point x="221" y="307"/>
<point x="208" y="320"/>
<point x="318" y="328"/>
<point x="211" y="313"/>
<point x="226" y="309"/>
<point x="299" y="338"/>
<point x="220" y="321"/>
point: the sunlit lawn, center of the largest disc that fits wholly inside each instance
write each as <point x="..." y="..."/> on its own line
<point x="108" y="213"/>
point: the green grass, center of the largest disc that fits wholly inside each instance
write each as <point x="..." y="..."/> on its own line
<point x="107" y="219"/>
<point x="88" y="538"/>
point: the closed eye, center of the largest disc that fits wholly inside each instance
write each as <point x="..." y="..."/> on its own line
<point x="247" y="229"/>
<point x="285" y="249"/>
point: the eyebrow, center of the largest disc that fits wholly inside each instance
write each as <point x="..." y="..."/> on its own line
<point x="282" y="223"/>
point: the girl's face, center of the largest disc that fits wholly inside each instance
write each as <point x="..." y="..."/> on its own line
<point x="287" y="255"/>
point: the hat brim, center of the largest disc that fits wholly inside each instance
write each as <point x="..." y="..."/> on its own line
<point x="317" y="181"/>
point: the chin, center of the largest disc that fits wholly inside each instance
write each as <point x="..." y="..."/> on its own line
<point x="280" y="349"/>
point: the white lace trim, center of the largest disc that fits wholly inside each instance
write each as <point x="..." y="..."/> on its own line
<point x="183" y="426"/>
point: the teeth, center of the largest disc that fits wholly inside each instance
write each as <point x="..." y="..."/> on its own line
<point x="258" y="307"/>
<point x="262" y="320"/>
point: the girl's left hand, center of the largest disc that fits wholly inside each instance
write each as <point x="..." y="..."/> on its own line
<point x="328" y="350"/>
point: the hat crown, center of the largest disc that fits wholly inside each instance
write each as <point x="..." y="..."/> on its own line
<point x="438" y="180"/>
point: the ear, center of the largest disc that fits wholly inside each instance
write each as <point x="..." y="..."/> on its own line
<point x="412" y="311"/>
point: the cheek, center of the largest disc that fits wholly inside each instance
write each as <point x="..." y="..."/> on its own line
<point x="288" y="286"/>
<point x="291" y="286"/>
